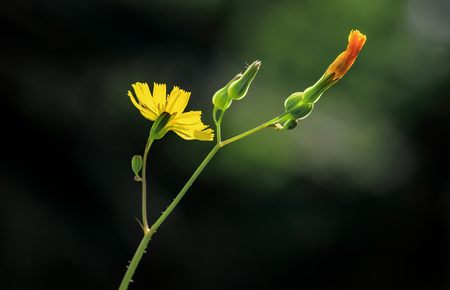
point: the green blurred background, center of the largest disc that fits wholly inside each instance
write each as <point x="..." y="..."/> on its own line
<point x="356" y="197"/>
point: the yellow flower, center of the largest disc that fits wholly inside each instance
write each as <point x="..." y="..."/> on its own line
<point x="345" y="60"/>
<point x="187" y="125"/>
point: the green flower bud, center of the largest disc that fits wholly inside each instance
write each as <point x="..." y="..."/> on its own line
<point x="221" y="100"/>
<point x="295" y="105"/>
<point x="289" y="124"/>
<point x="286" y="124"/>
<point x="159" y="127"/>
<point x="136" y="164"/>
<point x="301" y="111"/>
<point x="293" y="100"/>
<point x="238" y="88"/>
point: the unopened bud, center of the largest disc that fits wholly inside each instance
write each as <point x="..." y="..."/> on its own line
<point x="221" y="100"/>
<point x="300" y="104"/>
<point x="295" y="105"/>
<point x="302" y="111"/>
<point x="288" y="125"/>
<point x="238" y="88"/>
<point x="293" y="100"/>
<point x="338" y="68"/>
<point x="136" y="164"/>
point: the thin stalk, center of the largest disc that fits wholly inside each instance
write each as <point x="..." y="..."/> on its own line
<point x="219" y="127"/>
<point x="218" y="133"/>
<point x="251" y="131"/>
<point x="144" y="184"/>
<point x="185" y="188"/>
<point x="135" y="261"/>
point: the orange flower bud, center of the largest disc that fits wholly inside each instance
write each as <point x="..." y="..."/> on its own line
<point x="345" y="60"/>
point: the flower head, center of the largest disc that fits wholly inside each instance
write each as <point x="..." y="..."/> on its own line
<point x="187" y="125"/>
<point x="345" y="60"/>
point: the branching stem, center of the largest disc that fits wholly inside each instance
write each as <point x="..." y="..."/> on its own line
<point x="149" y="232"/>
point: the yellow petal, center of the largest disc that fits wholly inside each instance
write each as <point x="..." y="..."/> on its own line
<point x="189" y="126"/>
<point x="177" y="101"/>
<point x="188" y="118"/>
<point x="150" y="103"/>
<point x="205" y="135"/>
<point x="189" y="134"/>
<point x="147" y="113"/>
<point x="144" y="96"/>
<point x="159" y="97"/>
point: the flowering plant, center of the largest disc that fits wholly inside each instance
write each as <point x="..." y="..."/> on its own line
<point x="167" y="111"/>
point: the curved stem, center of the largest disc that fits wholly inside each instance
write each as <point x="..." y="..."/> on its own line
<point x="144" y="184"/>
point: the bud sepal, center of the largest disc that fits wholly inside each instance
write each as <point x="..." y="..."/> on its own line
<point x="159" y="127"/>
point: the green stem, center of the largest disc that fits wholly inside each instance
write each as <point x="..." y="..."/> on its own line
<point x="219" y="126"/>
<point x="218" y="133"/>
<point x="144" y="184"/>
<point x="135" y="261"/>
<point x="149" y="232"/>
<point x="251" y="131"/>
<point x="185" y="188"/>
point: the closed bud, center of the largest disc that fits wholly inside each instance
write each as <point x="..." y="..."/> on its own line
<point x="221" y="100"/>
<point x="136" y="164"/>
<point x="296" y="106"/>
<point x="299" y="105"/>
<point x="238" y="88"/>
<point x="288" y="125"/>
<point x="338" y="68"/>
<point x="293" y="100"/>
<point x="302" y="111"/>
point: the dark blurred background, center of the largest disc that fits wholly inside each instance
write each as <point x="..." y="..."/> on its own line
<point x="357" y="197"/>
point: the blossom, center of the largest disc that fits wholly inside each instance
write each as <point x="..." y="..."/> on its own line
<point x="187" y="125"/>
<point x="345" y="60"/>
